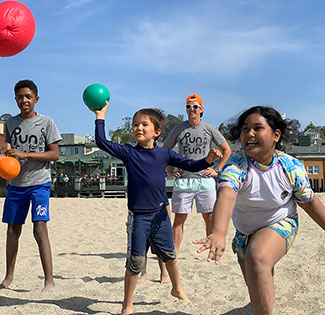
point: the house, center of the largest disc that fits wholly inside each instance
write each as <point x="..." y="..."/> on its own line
<point x="72" y="144"/>
<point x="313" y="158"/>
<point x="313" y="134"/>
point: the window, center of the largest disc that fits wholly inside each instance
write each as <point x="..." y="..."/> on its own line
<point x="76" y="151"/>
<point x="313" y="169"/>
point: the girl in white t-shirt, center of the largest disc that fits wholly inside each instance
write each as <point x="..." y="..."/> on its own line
<point x="260" y="187"/>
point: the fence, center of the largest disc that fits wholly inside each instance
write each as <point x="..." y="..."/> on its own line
<point x="101" y="186"/>
<point x="317" y="185"/>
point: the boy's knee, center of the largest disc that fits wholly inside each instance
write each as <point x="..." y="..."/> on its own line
<point x="135" y="263"/>
<point x="167" y="256"/>
<point x="14" y="231"/>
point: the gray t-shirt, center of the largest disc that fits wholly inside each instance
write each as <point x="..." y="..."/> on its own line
<point x="31" y="135"/>
<point x="194" y="142"/>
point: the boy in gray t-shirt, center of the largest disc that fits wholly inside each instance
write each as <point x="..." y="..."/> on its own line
<point x="32" y="139"/>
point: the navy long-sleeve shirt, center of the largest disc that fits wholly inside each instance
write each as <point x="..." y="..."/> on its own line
<point x="146" y="169"/>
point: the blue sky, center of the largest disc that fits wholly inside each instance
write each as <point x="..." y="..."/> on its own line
<point x="151" y="53"/>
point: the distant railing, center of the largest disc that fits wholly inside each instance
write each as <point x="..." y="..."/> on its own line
<point x="78" y="186"/>
<point x="317" y="185"/>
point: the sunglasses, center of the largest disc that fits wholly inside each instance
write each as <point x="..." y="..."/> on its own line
<point x="193" y="106"/>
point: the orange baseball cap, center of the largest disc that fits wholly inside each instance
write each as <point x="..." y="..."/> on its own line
<point x="194" y="97"/>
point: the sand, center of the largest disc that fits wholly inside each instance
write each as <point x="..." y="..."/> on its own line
<point x="88" y="239"/>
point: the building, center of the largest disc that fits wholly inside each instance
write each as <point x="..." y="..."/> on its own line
<point x="313" y="134"/>
<point x="313" y="158"/>
<point x="2" y="136"/>
<point x="73" y="145"/>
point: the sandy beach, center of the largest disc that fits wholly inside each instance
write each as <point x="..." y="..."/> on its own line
<point x="88" y="239"/>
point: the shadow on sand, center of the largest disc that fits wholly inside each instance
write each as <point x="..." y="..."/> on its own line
<point x="246" y="310"/>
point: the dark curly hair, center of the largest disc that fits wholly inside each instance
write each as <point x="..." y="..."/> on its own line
<point x="273" y="118"/>
<point x="26" y="84"/>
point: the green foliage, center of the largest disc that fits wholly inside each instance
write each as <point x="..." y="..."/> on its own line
<point x="171" y="122"/>
<point x="224" y="129"/>
<point x="121" y="136"/>
<point x="311" y="126"/>
<point x="127" y="124"/>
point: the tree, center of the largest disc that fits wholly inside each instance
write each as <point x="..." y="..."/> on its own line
<point x="127" y="124"/>
<point x="225" y="128"/>
<point x="123" y="134"/>
<point x="171" y="122"/>
<point x="311" y="126"/>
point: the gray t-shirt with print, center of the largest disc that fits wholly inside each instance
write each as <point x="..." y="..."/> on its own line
<point x="194" y="142"/>
<point x="31" y="135"/>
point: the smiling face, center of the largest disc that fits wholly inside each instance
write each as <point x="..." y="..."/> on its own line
<point x="144" y="131"/>
<point x="26" y="100"/>
<point x="194" y="114"/>
<point x="258" y="139"/>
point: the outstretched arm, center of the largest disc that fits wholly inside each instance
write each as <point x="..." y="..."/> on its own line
<point x="171" y="173"/>
<point x="315" y="210"/>
<point x="213" y="155"/>
<point x="216" y="241"/>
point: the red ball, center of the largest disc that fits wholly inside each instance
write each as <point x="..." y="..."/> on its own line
<point x="17" y="28"/>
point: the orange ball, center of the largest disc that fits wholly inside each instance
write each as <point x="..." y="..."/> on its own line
<point x="9" y="167"/>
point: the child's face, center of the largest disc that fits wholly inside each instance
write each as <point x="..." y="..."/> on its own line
<point x="144" y="131"/>
<point x="258" y="139"/>
<point x="26" y="100"/>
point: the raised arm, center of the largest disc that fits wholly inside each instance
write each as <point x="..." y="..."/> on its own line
<point x="216" y="241"/>
<point x="315" y="210"/>
<point x="100" y="114"/>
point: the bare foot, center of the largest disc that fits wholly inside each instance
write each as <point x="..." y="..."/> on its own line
<point x="142" y="279"/>
<point x="180" y="295"/>
<point x="126" y="311"/>
<point x="5" y="284"/>
<point x="164" y="279"/>
<point x="49" y="287"/>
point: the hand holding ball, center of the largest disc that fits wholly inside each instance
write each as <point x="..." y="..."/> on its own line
<point x="17" y="28"/>
<point x="9" y="167"/>
<point x="95" y="96"/>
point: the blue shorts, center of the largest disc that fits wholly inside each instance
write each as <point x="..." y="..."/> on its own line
<point x="144" y="229"/>
<point x="18" y="200"/>
<point x="287" y="228"/>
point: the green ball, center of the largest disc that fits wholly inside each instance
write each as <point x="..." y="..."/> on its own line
<point x="95" y="96"/>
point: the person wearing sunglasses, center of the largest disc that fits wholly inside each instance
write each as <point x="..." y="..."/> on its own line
<point x="194" y="138"/>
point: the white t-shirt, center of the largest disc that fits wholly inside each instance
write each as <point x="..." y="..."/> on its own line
<point x="266" y="194"/>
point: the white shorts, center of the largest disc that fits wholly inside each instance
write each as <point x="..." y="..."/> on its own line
<point x="182" y="201"/>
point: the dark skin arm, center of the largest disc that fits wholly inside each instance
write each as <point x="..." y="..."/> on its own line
<point x="316" y="210"/>
<point x="51" y="155"/>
